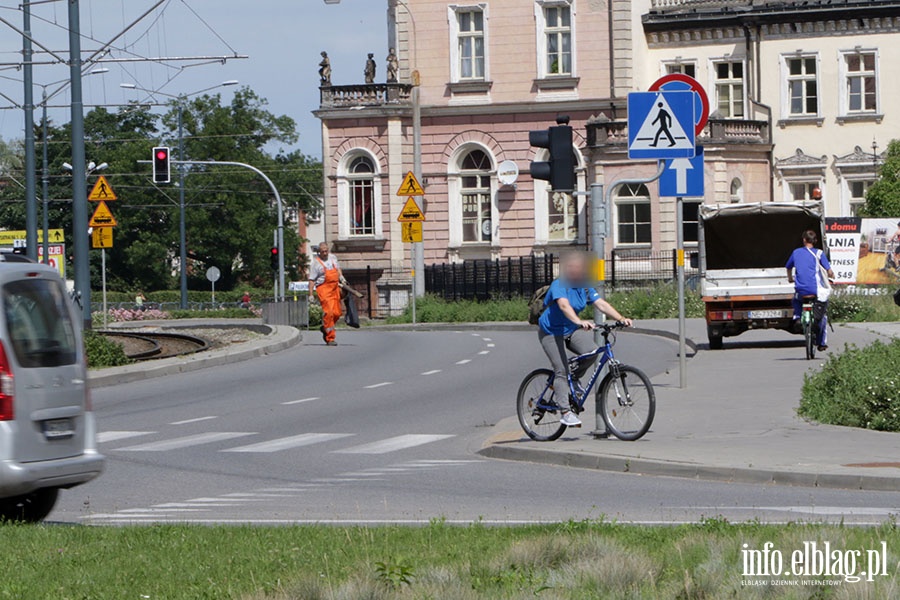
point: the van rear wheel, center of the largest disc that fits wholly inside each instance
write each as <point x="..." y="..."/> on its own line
<point x="30" y="508"/>
<point x="715" y="340"/>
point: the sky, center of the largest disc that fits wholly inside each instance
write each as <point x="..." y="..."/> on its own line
<point x="283" y="39"/>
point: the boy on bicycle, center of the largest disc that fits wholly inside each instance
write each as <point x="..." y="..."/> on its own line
<point x="804" y="270"/>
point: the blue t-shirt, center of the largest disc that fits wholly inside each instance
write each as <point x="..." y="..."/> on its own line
<point x="805" y="262"/>
<point x="552" y="320"/>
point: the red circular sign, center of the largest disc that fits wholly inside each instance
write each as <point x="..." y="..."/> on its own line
<point x="693" y="85"/>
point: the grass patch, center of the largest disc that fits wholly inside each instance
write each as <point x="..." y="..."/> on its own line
<point x="856" y="308"/>
<point x="566" y="561"/>
<point x="859" y="387"/>
<point x="103" y="352"/>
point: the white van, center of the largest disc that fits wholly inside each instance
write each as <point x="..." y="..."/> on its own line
<point x="47" y="430"/>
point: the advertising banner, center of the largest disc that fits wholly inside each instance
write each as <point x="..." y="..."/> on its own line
<point x="864" y="251"/>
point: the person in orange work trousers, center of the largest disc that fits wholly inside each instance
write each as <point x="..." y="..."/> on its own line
<point x="325" y="277"/>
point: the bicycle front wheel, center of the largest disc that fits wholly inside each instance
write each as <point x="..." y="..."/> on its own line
<point x="536" y="408"/>
<point x="627" y="403"/>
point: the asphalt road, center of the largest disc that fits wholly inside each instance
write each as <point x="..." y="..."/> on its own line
<point x="384" y="428"/>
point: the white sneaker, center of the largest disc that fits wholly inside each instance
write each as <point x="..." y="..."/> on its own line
<point x="569" y="419"/>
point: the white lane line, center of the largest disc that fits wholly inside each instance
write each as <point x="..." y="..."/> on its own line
<point x="257" y="495"/>
<point x="487" y="339"/>
<point x="464" y="361"/>
<point x="111" y="436"/>
<point x="231" y="501"/>
<point x="191" y="505"/>
<point x="491" y="345"/>
<point x="185" y="442"/>
<point x="197" y="420"/>
<point x="158" y="510"/>
<point x="476" y="335"/>
<point x="301" y="401"/>
<point x="378" y="385"/>
<point x="485" y="352"/>
<point x="295" y="441"/>
<point x="432" y="372"/>
<point x="393" y="444"/>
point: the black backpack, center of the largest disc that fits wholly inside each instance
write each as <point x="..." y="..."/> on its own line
<point x="536" y="305"/>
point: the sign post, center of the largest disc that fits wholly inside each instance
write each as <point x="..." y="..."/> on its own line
<point x="103" y="277"/>
<point x="212" y="275"/>
<point x="411" y="217"/>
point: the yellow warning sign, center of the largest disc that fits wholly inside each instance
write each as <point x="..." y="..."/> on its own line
<point x="411" y="212"/>
<point x="411" y="186"/>
<point x="102" y="237"/>
<point x="103" y="217"/>
<point x="412" y="232"/>
<point x="102" y="191"/>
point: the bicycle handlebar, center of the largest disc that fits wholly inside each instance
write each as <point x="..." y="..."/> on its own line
<point x="610" y="327"/>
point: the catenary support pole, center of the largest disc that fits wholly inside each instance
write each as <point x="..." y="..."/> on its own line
<point x="45" y="180"/>
<point x="31" y="223"/>
<point x="182" y="226"/>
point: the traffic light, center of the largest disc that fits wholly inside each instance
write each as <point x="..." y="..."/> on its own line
<point x="162" y="170"/>
<point x="560" y="169"/>
<point x="273" y="256"/>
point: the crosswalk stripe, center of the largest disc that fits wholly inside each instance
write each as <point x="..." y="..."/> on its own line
<point x="112" y="436"/>
<point x="393" y="444"/>
<point x="432" y="372"/>
<point x="304" y="439"/>
<point x="185" y="442"/>
<point x="464" y="361"/>
<point x="301" y="401"/>
<point x="378" y="385"/>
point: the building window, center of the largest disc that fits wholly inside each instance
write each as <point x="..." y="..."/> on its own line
<point x="737" y="191"/>
<point x="803" y="86"/>
<point x="558" y="34"/>
<point x="803" y="190"/>
<point x="470" y="37"/>
<point x="362" y="196"/>
<point x="562" y="213"/>
<point x="475" y="177"/>
<point x="730" y="89"/>
<point x="689" y="69"/>
<point x="861" y="82"/>
<point x="690" y="224"/>
<point x="858" y="190"/>
<point x="633" y="214"/>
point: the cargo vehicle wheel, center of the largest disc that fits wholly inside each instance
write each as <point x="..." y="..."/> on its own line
<point x="29" y="508"/>
<point x="715" y="341"/>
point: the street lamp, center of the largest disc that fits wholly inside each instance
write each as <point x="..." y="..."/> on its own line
<point x="182" y="226"/>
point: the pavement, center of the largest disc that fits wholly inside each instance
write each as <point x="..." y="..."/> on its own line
<point x="735" y="421"/>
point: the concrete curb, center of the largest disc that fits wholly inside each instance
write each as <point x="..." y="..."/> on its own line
<point x="281" y="338"/>
<point x="642" y="466"/>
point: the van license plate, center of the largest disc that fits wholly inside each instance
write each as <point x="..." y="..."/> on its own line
<point x="58" y="429"/>
<point x="766" y="314"/>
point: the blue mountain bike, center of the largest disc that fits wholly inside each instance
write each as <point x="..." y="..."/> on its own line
<point x="626" y="398"/>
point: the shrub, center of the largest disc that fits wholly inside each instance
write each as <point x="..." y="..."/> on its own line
<point x="860" y="387"/>
<point x="224" y="313"/>
<point x="103" y="352"/>
<point x="120" y="315"/>
<point x="850" y="307"/>
<point x="315" y="315"/>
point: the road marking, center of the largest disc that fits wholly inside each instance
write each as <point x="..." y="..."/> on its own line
<point x="491" y="345"/>
<point x="111" y="436"/>
<point x="393" y="444"/>
<point x="231" y="501"/>
<point x="197" y="420"/>
<point x="432" y="372"/>
<point x="487" y="339"/>
<point x="158" y="510"/>
<point x="191" y="505"/>
<point x="378" y="385"/>
<point x="185" y="442"/>
<point x="464" y="361"/>
<point x="301" y="401"/>
<point x="485" y="352"/>
<point x="295" y="441"/>
<point x="476" y="334"/>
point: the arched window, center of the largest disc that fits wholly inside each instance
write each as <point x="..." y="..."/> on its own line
<point x="634" y="216"/>
<point x="475" y="190"/>
<point x="361" y="176"/>
<point x="737" y="190"/>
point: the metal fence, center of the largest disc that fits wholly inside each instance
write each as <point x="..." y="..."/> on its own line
<point x="485" y="279"/>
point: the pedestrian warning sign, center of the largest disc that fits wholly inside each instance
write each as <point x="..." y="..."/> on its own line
<point x="411" y="212"/>
<point x="412" y="232"/>
<point x="102" y="191"/>
<point x="103" y="217"/>
<point x="661" y="125"/>
<point x="411" y="186"/>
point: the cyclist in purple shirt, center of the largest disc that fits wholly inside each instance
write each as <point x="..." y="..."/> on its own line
<point x="561" y="329"/>
<point x="803" y="272"/>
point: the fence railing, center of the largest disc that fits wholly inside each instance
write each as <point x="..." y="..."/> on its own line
<point x="486" y="279"/>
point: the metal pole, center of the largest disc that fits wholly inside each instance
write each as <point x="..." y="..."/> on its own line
<point x="418" y="247"/>
<point x="598" y="243"/>
<point x="414" y="277"/>
<point x="679" y="233"/>
<point x="79" y="175"/>
<point x="45" y="182"/>
<point x="103" y="266"/>
<point x="182" y="227"/>
<point x="31" y="225"/>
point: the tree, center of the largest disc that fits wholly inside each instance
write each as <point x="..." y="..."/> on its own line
<point x="883" y="198"/>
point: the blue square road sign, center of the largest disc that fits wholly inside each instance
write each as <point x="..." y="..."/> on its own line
<point x="661" y="125"/>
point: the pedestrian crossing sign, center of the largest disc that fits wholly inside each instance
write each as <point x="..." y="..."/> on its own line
<point x="411" y="186"/>
<point x="102" y="191"/>
<point x="661" y="125"/>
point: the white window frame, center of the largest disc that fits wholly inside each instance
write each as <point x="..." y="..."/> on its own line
<point x="542" y="203"/>
<point x="344" y="178"/>
<point x="454" y="194"/>
<point x="665" y="65"/>
<point x="868" y="179"/>
<point x="543" y="69"/>
<point x="788" y="182"/>
<point x="619" y="200"/>
<point x="714" y="83"/>
<point x="845" y="83"/>
<point x="786" y="78"/>
<point x="453" y="11"/>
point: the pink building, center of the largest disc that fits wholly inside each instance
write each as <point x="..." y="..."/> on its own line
<point x="488" y="73"/>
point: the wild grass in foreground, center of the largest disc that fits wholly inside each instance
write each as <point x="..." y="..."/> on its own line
<point x="567" y="561"/>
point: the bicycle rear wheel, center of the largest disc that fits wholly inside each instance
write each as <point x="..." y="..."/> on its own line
<point x="627" y="403"/>
<point x="535" y="394"/>
<point x="809" y="331"/>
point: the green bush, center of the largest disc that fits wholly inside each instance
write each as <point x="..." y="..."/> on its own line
<point x="103" y="352"/>
<point x="315" y="315"/>
<point x="224" y="313"/>
<point x="657" y="302"/>
<point x="858" y="308"/>
<point x="860" y="387"/>
<point x="170" y="296"/>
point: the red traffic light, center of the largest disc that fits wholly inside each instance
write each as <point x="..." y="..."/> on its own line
<point x="162" y="154"/>
<point x="275" y="251"/>
<point x="162" y="171"/>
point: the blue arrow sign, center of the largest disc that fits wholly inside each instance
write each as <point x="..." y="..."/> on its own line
<point x="683" y="177"/>
<point x="661" y="125"/>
